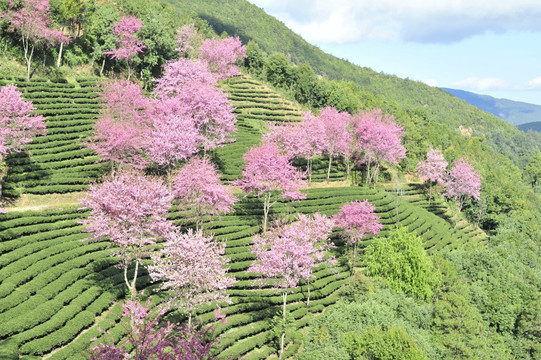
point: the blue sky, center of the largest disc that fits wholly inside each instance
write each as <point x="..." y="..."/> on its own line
<point x="484" y="46"/>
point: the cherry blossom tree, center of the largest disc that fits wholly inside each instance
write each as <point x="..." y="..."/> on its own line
<point x="432" y="169"/>
<point x="180" y="74"/>
<point x="197" y="186"/>
<point x="123" y="125"/>
<point x="192" y="267"/>
<point x="18" y="126"/>
<point x="131" y="211"/>
<point x="357" y="219"/>
<point x="269" y="174"/>
<point x="379" y="138"/>
<point x="462" y="183"/>
<point x="221" y="55"/>
<point x="288" y="254"/>
<point x="337" y="137"/>
<point x="173" y="136"/>
<point x="31" y="19"/>
<point x="188" y="41"/>
<point x="127" y="43"/>
<point x="150" y="339"/>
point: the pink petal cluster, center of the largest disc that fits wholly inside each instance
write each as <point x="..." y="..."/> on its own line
<point x="462" y="181"/>
<point x="148" y="338"/>
<point x="197" y="185"/>
<point x="192" y="267"/>
<point x="289" y="138"/>
<point x="18" y="126"/>
<point x="188" y="40"/>
<point x="222" y="54"/>
<point x="289" y="252"/>
<point x="358" y="219"/>
<point x="379" y="137"/>
<point x="173" y="136"/>
<point x="269" y="171"/>
<point x="178" y="75"/>
<point x="31" y="19"/>
<point x="337" y="137"/>
<point x="123" y="125"/>
<point x="433" y="168"/>
<point x="211" y="111"/>
<point x="127" y="43"/>
<point x="131" y="210"/>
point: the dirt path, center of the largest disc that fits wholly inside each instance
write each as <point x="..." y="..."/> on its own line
<point x="28" y="202"/>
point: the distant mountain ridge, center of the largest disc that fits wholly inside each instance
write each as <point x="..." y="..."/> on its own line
<point x="534" y="126"/>
<point x="514" y="112"/>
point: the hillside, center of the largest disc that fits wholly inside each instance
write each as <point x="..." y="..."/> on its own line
<point x="514" y="112"/>
<point x="399" y="96"/>
<point x="54" y="307"/>
<point x="534" y="126"/>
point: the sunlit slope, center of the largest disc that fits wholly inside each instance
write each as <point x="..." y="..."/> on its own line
<point x="57" y="162"/>
<point x="257" y="105"/>
<point x="56" y="290"/>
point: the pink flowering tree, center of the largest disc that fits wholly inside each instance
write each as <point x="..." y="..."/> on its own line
<point x="462" y="183"/>
<point x="192" y="268"/>
<point x="173" y="136"/>
<point x="188" y="41"/>
<point x="269" y="174"/>
<point x="288" y="254"/>
<point x="123" y="124"/>
<point x="432" y="169"/>
<point x="18" y="126"/>
<point x="130" y="210"/>
<point x="198" y="188"/>
<point x="150" y="338"/>
<point x="127" y="44"/>
<point x="379" y="138"/>
<point x="357" y="219"/>
<point x="212" y="113"/>
<point x="337" y="137"/>
<point x="178" y="75"/>
<point x="31" y="19"/>
<point x="222" y="55"/>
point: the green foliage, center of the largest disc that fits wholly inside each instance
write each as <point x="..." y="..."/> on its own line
<point x="532" y="171"/>
<point x="378" y="344"/>
<point x="255" y="59"/>
<point x="279" y="71"/>
<point x="401" y="261"/>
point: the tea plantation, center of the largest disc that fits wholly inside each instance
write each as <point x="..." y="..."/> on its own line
<point x="57" y="290"/>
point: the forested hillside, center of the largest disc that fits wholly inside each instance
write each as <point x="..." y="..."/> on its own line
<point x="171" y="191"/>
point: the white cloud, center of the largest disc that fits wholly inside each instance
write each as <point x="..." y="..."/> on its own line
<point x="484" y="84"/>
<point x="442" y="21"/>
<point x="534" y="84"/>
<point x="431" y="82"/>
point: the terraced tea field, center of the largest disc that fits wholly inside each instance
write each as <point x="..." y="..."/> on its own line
<point x="57" y="162"/>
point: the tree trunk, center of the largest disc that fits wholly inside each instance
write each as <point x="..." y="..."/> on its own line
<point x="329" y="169"/>
<point x="102" y="67"/>
<point x="129" y="71"/>
<point x="284" y="296"/>
<point x="308" y="300"/>
<point x="354" y="258"/>
<point x="59" y="59"/>
<point x="348" y="169"/>
<point x="266" y="208"/>
<point x="28" y="54"/>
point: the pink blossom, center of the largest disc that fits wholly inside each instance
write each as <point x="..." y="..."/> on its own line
<point x="188" y="40"/>
<point x="462" y="182"/>
<point x="123" y="125"/>
<point x="357" y="219"/>
<point x="127" y="44"/>
<point x="433" y="167"/>
<point x="148" y="338"/>
<point x="192" y="267"/>
<point x="173" y="135"/>
<point x="178" y="75"/>
<point x="131" y="210"/>
<point x="337" y="137"/>
<point x="18" y="126"/>
<point x="197" y="185"/>
<point x="379" y="139"/>
<point x="222" y="54"/>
